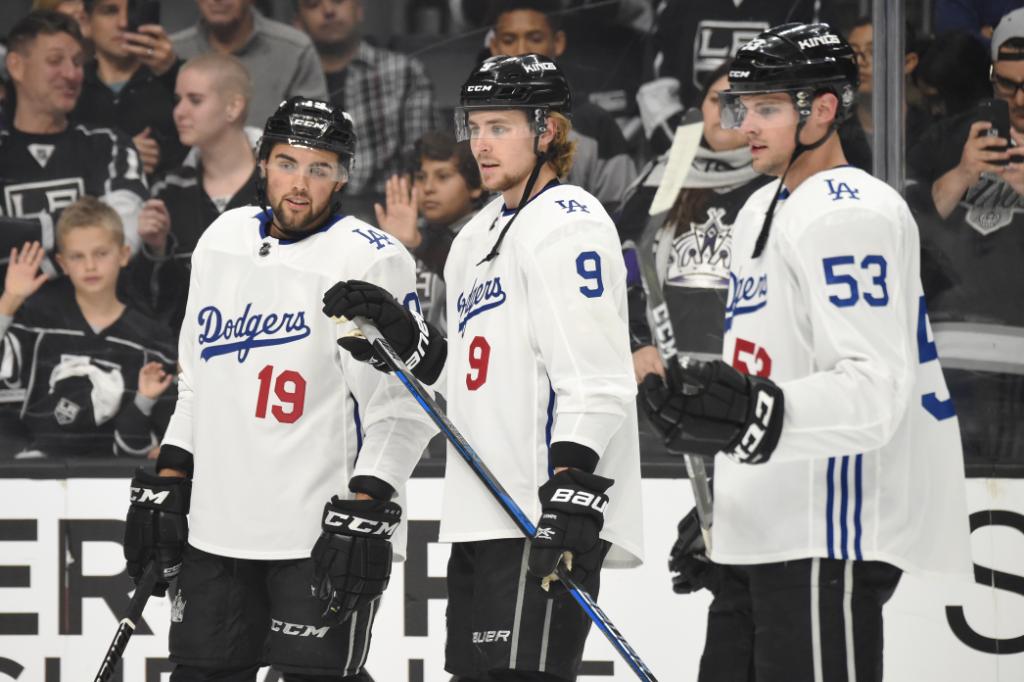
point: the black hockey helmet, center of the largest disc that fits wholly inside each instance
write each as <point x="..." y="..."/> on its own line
<point x="531" y="82"/>
<point x="305" y="122"/>
<point x="801" y="59"/>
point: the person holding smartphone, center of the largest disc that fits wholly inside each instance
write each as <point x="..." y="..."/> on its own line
<point x="129" y="83"/>
<point x="970" y="161"/>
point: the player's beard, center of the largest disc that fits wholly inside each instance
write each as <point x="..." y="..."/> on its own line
<point x="292" y="224"/>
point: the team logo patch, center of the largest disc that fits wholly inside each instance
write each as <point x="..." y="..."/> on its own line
<point x="178" y="608"/>
<point x="991" y="204"/>
<point x="841" y="190"/>
<point x="479" y="299"/>
<point x="66" y="411"/>
<point x="41" y="153"/>
<point x="571" y="206"/>
<point x="716" y="41"/>
<point x="26" y="199"/>
<point x="701" y="256"/>
<point x="222" y="335"/>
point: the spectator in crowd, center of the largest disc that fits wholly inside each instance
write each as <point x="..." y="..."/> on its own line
<point x="387" y="94"/>
<point x="46" y="162"/>
<point x="87" y="372"/>
<point x="692" y="37"/>
<point x="693" y="246"/>
<point x="129" y="83"/>
<point x="977" y="17"/>
<point x="952" y="75"/>
<point x="73" y="8"/>
<point x="281" y="58"/>
<point x="969" y="201"/>
<point x="602" y="165"/>
<point x="219" y="173"/>
<point x="856" y="131"/>
<point x="445" y="194"/>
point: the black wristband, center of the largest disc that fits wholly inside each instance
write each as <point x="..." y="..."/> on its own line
<point x="173" y="457"/>
<point x="568" y="454"/>
<point x="372" y="486"/>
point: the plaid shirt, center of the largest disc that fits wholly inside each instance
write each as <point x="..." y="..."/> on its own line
<point x="391" y="101"/>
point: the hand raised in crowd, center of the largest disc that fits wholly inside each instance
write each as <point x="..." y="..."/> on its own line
<point x="647" y="360"/>
<point x="154" y="226"/>
<point x="398" y="218"/>
<point x="149" y="150"/>
<point x="23" y="277"/>
<point x="977" y="157"/>
<point x="153" y="380"/>
<point x="153" y="48"/>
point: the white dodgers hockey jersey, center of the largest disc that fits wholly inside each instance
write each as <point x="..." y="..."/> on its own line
<point x="277" y="416"/>
<point x="869" y="464"/>
<point x="538" y="352"/>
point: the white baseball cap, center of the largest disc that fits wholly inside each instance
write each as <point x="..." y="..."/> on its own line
<point x="1010" y="26"/>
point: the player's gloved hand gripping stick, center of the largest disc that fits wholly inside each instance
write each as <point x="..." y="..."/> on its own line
<point x="143" y="589"/>
<point x="586" y="602"/>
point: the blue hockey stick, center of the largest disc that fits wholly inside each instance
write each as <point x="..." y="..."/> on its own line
<point x="586" y="602"/>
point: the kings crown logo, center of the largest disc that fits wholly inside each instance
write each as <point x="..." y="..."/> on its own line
<point x="701" y="256"/>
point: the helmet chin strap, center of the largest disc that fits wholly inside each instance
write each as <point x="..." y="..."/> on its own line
<point x="542" y="158"/>
<point x="800" y="148"/>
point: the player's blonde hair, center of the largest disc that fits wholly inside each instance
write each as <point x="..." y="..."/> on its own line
<point x="229" y="73"/>
<point x="562" y="149"/>
<point x="89" y="212"/>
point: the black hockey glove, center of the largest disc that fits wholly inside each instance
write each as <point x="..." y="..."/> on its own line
<point x="352" y="557"/>
<point x="420" y="345"/>
<point x="157" y="526"/>
<point x="688" y="561"/>
<point x="717" y="409"/>
<point x="572" y="515"/>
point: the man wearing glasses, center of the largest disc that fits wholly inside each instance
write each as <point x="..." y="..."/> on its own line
<point x="972" y="173"/>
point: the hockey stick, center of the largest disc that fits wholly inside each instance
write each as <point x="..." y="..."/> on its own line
<point x="434" y="411"/>
<point x="143" y="590"/>
<point x="665" y="342"/>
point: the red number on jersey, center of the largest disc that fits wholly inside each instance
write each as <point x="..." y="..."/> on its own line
<point x="751" y="359"/>
<point x="479" y="357"/>
<point x="290" y="389"/>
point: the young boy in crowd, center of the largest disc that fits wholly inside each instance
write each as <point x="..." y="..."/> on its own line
<point x="86" y="374"/>
<point x="445" y="193"/>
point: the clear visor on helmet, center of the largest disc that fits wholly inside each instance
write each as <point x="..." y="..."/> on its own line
<point x="493" y="124"/>
<point x="775" y="109"/>
<point x="315" y="171"/>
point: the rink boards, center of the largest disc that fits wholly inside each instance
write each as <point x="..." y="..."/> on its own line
<point x="61" y="574"/>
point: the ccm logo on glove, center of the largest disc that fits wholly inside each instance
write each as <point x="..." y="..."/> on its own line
<point x="148" y="495"/>
<point x="359" y="525"/>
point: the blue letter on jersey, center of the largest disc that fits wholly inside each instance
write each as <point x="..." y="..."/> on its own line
<point x="838" y="190"/>
<point x="572" y="206"/>
<point x="378" y="239"/>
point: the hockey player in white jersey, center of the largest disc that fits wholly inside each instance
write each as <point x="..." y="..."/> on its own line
<point x="538" y="378"/>
<point x="838" y="460"/>
<point x="273" y="421"/>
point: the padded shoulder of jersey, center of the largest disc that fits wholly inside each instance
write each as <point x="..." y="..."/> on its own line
<point x="231" y="225"/>
<point x="560" y="208"/>
<point x="842" y="195"/>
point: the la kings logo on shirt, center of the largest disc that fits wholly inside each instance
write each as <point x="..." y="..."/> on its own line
<point x="222" y="334"/>
<point x="716" y="41"/>
<point x="27" y="199"/>
<point x="701" y="256"/>
<point x="991" y="204"/>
